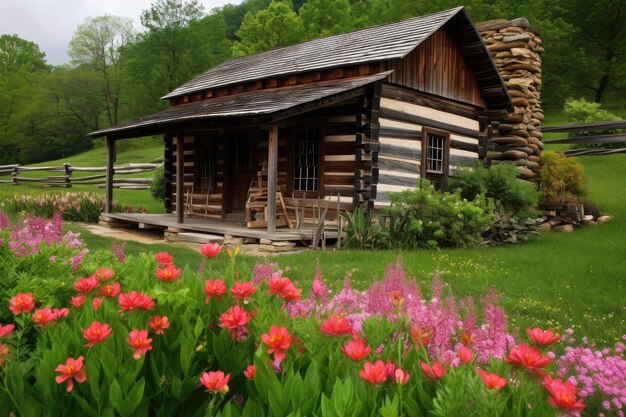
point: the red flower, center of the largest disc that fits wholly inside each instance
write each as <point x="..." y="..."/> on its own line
<point x="139" y="341"/>
<point x="215" y="381"/>
<point x="421" y="335"/>
<point x="77" y="301"/>
<point x="110" y="290"/>
<point x="562" y="395"/>
<point x="60" y="313"/>
<point x="374" y="373"/>
<point x="434" y="372"/>
<point x="464" y="354"/>
<point x="391" y="368"/>
<point x="95" y="303"/>
<point x="335" y="325"/>
<point x="134" y="300"/>
<point x="355" y="349"/>
<point x="103" y="274"/>
<point x="22" y="303"/>
<point x="276" y="285"/>
<point x="243" y="290"/>
<point x="542" y="337"/>
<point x="163" y="259"/>
<point x="6" y="330"/>
<point x="491" y="380"/>
<point x="213" y="288"/>
<point x="210" y="250"/>
<point x="167" y="274"/>
<point x="73" y="369"/>
<point x="4" y="350"/>
<point x="158" y="324"/>
<point x="528" y="357"/>
<point x="44" y="316"/>
<point x="96" y="333"/>
<point x="401" y="376"/>
<point x="235" y="320"/>
<point x="278" y="341"/>
<point x="249" y="372"/>
<point x="86" y="285"/>
<point x="291" y="293"/>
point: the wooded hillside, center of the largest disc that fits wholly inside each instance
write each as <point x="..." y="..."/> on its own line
<point x="117" y="74"/>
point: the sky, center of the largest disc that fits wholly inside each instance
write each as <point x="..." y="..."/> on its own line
<point x="52" y="23"/>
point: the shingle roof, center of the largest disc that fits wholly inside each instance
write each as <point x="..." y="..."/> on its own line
<point x="373" y="44"/>
<point x="262" y="102"/>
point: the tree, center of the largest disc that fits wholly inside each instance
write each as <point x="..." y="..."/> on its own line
<point x="19" y="54"/>
<point x="325" y="17"/>
<point x="96" y="45"/>
<point x="276" y="26"/>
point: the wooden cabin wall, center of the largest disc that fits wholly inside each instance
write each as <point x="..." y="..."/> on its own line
<point x="402" y="115"/>
<point x="436" y="66"/>
<point x="203" y="204"/>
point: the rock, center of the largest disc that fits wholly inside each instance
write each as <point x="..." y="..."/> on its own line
<point x="564" y="228"/>
<point x="230" y="240"/>
<point x="587" y="217"/>
<point x="590" y="222"/>
<point x="518" y="37"/>
<point x="274" y="249"/>
<point x="265" y="241"/>
<point x="604" y="219"/>
<point x="514" y="154"/>
<point x="544" y="227"/>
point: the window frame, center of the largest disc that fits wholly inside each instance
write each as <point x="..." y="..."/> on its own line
<point x="292" y="160"/>
<point x="425" y="173"/>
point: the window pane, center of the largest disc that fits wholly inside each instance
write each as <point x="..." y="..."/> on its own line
<point x="306" y="159"/>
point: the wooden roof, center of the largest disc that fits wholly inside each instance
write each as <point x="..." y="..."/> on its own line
<point x="373" y="44"/>
<point x="270" y="105"/>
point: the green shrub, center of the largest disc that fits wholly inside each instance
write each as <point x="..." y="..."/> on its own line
<point x="157" y="188"/>
<point x="424" y="217"/>
<point x="361" y="232"/>
<point x="582" y="111"/>
<point x="561" y="178"/>
<point x="499" y="182"/>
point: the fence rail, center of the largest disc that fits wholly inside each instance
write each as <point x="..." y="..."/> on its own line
<point x="16" y="171"/>
<point x="602" y="136"/>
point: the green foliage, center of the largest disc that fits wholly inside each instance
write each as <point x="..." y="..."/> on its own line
<point x="157" y="188"/>
<point x="582" y="111"/>
<point x="361" y="232"/>
<point x="507" y="228"/>
<point x="561" y="178"/>
<point x="325" y="17"/>
<point x="498" y="182"/>
<point x="276" y="26"/>
<point x="426" y="218"/>
<point x="17" y="54"/>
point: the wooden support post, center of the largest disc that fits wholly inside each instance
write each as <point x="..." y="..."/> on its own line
<point x="108" y="194"/>
<point x="272" y="168"/>
<point x="180" y="178"/>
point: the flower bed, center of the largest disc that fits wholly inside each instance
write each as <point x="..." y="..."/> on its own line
<point x="138" y="336"/>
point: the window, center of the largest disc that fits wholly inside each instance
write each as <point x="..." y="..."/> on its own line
<point x="205" y="172"/>
<point x="306" y="154"/>
<point x="435" y="155"/>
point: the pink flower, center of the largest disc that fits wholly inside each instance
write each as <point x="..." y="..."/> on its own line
<point x="335" y="325"/>
<point x="562" y="395"/>
<point x="542" y="337"/>
<point x="96" y="333"/>
<point x="528" y="357"/>
<point x="235" y="320"/>
<point x="278" y="341"/>
<point x="374" y="373"/>
<point x="213" y="288"/>
<point x="73" y="369"/>
<point x="110" y="290"/>
<point x="210" y="250"/>
<point x="355" y="349"/>
<point x="6" y="330"/>
<point x="44" y="316"/>
<point x="86" y="285"/>
<point x="163" y="259"/>
<point x="158" y="324"/>
<point x="140" y="342"/>
<point x="60" y="313"/>
<point x="103" y="274"/>
<point x="491" y="380"/>
<point x="22" y="303"/>
<point x="243" y="290"/>
<point x="464" y="354"/>
<point x="133" y="300"/>
<point x="77" y="301"/>
<point x="168" y="274"/>
<point x="401" y="376"/>
<point x="249" y="372"/>
<point x="215" y="382"/>
<point x="95" y="303"/>
<point x="433" y="372"/>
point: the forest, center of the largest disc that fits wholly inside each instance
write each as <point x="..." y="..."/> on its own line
<point x="117" y="73"/>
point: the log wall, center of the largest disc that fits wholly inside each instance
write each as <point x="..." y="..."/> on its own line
<point x="516" y="48"/>
<point x="436" y="66"/>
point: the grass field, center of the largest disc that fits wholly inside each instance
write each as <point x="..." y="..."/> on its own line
<point x="560" y="280"/>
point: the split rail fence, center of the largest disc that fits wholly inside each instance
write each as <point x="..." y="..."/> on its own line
<point x="64" y="175"/>
<point x="603" y="134"/>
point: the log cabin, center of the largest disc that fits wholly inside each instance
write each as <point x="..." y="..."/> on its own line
<point x="334" y="123"/>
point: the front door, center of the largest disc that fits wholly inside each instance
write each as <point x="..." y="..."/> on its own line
<point x="242" y="169"/>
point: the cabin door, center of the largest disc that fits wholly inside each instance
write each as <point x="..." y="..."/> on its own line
<point x="242" y="168"/>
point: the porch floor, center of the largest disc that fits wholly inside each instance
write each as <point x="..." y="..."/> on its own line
<point x="212" y="226"/>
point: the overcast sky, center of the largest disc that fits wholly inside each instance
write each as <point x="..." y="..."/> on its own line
<point x="52" y="23"/>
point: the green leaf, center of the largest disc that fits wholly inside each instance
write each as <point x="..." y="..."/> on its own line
<point x="126" y="406"/>
<point x="389" y="408"/>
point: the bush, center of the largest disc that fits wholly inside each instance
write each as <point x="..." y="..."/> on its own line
<point x="426" y="218"/>
<point x="361" y="232"/>
<point x="157" y="188"/>
<point x="499" y="182"/>
<point x="582" y="111"/>
<point x="562" y="178"/>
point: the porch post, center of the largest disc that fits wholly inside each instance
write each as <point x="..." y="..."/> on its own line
<point x="272" y="167"/>
<point x="108" y="195"/>
<point x="180" y="177"/>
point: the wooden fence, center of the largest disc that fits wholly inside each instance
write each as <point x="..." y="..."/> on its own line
<point x="64" y="176"/>
<point x="597" y="139"/>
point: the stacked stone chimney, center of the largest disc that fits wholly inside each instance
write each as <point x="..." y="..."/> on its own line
<point x="516" y="48"/>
